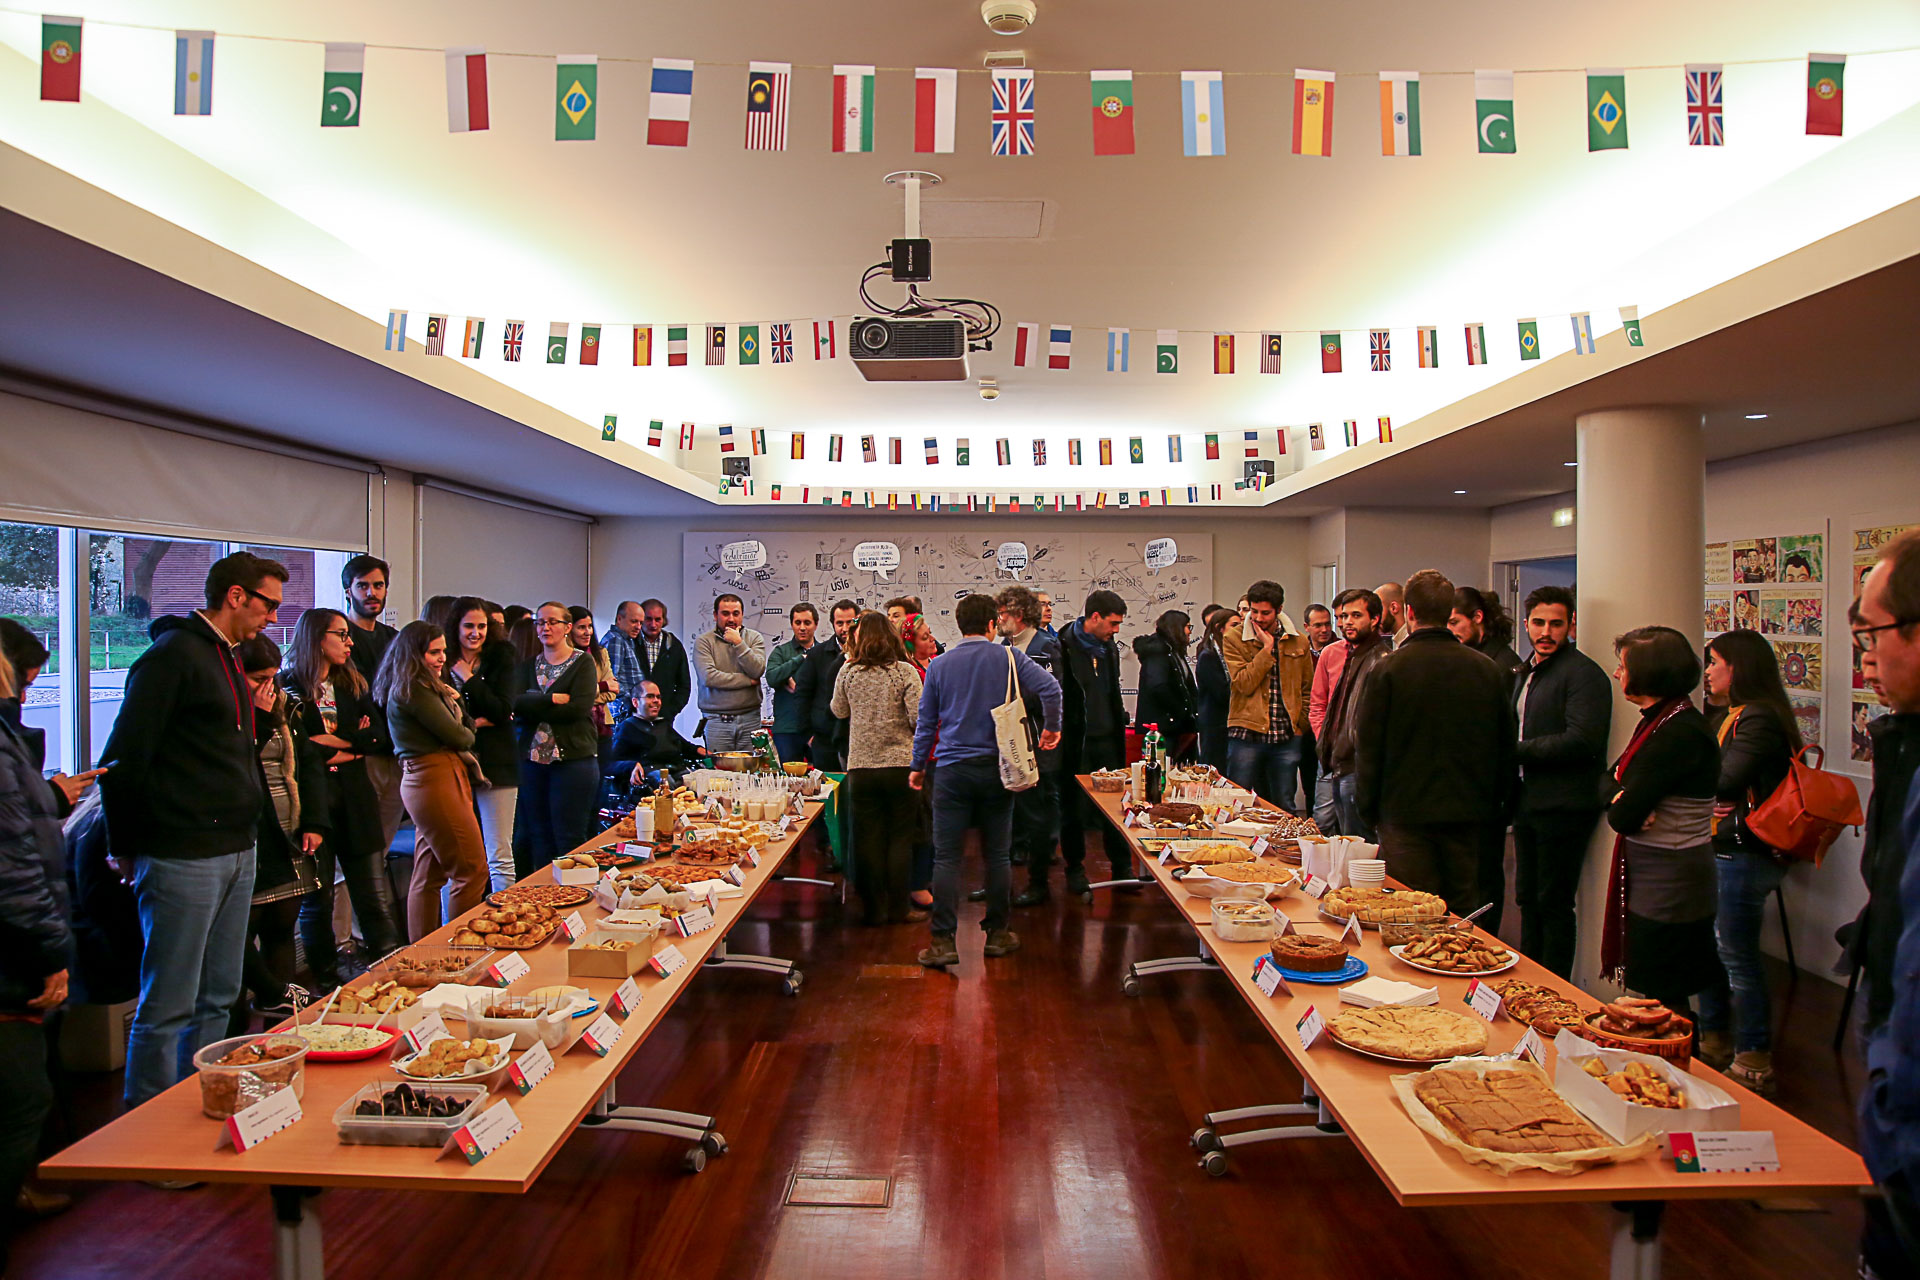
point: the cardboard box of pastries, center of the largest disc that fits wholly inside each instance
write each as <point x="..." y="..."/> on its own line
<point x="605" y="954"/>
<point x="1612" y="1099"/>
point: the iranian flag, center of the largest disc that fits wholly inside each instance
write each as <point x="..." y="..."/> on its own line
<point x="852" y="108"/>
<point x="1112" y="113"/>
<point x="934" y="92"/>
<point x="466" y="90"/>
<point x="59" y="59"/>
<point x="1825" y="77"/>
<point x="1476" y="344"/>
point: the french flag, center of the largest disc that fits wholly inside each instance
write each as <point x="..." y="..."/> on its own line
<point x="466" y="90"/>
<point x="1059" y="346"/>
<point x="933" y="451"/>
<point x="1026" y="345"/>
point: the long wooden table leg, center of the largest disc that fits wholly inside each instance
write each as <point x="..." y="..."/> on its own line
<point x="1636" y="1240"/>
<point x="297" y="1246"/>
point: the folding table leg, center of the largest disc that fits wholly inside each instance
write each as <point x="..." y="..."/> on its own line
<point x="297" y="1249"/>
<point x="1130" y="985"/>
<point x="1636" y="1240"/>
<point x="608" y="1113"/>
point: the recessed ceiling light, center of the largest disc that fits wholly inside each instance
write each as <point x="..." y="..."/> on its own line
<point x="1755" y="417"/>
<point x="1459" y="490"/>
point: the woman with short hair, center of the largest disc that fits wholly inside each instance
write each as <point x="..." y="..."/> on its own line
<point x="878" y="693"/>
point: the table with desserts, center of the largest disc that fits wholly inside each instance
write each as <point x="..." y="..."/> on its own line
<point x="1347" y="1094"/>
<point x="172" y="1138"/>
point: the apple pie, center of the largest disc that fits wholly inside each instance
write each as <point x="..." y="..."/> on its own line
<point x="1420" y="1034"/>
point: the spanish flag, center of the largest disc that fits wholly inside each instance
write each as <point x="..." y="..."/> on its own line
<point x="1312" y="113"/>
<point x="1223" y="353"/>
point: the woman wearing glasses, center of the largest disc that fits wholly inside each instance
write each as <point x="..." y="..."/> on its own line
<point x="559" y="746"/>
<point x="336" y="711"/>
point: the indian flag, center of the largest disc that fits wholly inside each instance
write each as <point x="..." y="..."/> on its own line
<point x="1429" y="347"/>
<point x="852" y="108"/>
<point x="1399" y="113"/>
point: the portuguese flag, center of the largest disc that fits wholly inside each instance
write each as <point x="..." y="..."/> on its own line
<point x="1112" y="113"/>
<point x="1825" y="76"/>
<point x="60" y="59"/>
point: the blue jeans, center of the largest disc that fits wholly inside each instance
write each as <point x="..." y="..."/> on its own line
<point x="1268" y="769"/>
<point x="967" y="793"/>
<point x="558" y="808"/>
<point x="791" y="746"/>
<point x="193" y="920"/>
<point x="1336" y="807"/>
<point x="1746" y="881"/>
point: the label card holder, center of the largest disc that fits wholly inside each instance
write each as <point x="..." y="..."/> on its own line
<point x="1530" y="1049"/>
<point x="1483" y="999"/>
<point x="1314" y="887"/>
<point x="481" y="1136"/>
<point x="251" y="1126"/>
<point x="1352" y="932"/>
<point x="426" y="1031"/>
<point x="533" y="1066"/>
<point x="574" y="927"/>
<point x="668" y="960"/>
<point x="1727" y="1151"/>
<point x="1267" y="977"/>
<point x="1286" y="927"/>
<point x="601" y="1034"/>
<point x="626" y="997"/>
<point x="698" y="920"/>
<point x="509" y="968"/>
<point x="1260" y="846"/>
<point x="1310" y="1026"/>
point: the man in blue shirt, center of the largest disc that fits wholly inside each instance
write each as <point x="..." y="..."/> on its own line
<point x="622" y="657"/>
<point x="962" y="688"/>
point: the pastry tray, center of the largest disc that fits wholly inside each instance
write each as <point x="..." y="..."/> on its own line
<point x="1513" y="959"/>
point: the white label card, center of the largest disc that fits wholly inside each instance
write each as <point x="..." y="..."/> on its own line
<point x="1483" y="999"/>
<point x="1130" y="820"/>
<point x="786" y="825"/>
<point x="1729" y="1151"/>
<point x="509" y="969"/>
<point x="1530" y="1049"/>
<point x="576" y="928"/>
<point x="626" y="997"/>
<point x="601" y="1034"/>
<point x="668" y="960"/>
<point x="533" y="1066"/>
<point x="1166" y="856"/>
<point x="1314" y="887"/>
<point x="1260" y="846"/>
<point x="1267" y="977"/>
<point x="253" y="1125"/>
<point x="698" y="920"/>
<point x="1352" y="932"/>
<point x="736" y="876"/>
<point x="753" y="855"/>
<point x="481" y="1136"/>
<point x="1287" y="926"/>
<point x="634" y="849"/>
<point x="426" y="1031"/>
<point x="1310" y="1026"/>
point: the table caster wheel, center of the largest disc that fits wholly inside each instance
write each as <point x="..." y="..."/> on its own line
<point x="1087" y="897"/>
<point x="1215" y="1163"/>
<point x="714" y="1144"/>
<point x="791" y="983"/>
<point x="694" y="1161"/>
<point x="1130" y="986"/>
<point x="1205" y="1140"/>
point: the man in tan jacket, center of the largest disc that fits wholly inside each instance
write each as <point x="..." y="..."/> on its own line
<point x="1270" y="671"/>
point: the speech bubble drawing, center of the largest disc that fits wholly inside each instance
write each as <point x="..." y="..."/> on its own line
<point x="1162" y="553"/>
<point x="1012" y="557"/>
<point x="880" y="558"/>
<point x="738" y="557"/>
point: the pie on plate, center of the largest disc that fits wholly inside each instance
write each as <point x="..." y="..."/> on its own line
<point x="1419" y="1034"/>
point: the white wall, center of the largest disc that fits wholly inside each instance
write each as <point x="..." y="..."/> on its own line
<point x="1525" y="530"/>
<point x="1392" y="544"/>
<point x="468" y="545"/>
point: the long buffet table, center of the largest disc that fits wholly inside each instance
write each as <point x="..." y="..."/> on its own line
<point x="1355" y="1092"/>
<point x="170" y="1139"/>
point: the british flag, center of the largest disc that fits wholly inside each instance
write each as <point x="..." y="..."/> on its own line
<point x="1013" y="112"/>
<point x="1705" y="128"/>
<point x="780" y="337"/>
<point x="510" y="345"/>
<point x="1380" y="343"/>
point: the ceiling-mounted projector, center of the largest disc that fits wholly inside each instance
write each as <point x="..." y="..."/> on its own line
<point x="892" y="349"/>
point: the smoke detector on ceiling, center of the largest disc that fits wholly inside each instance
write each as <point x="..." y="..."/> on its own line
<point x="1008" y="17"/>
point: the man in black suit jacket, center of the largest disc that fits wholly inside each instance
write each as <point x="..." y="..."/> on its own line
<point x="1564" y="707"/>
<point x="1036" y="811"/>
<point x="813" y="691"/>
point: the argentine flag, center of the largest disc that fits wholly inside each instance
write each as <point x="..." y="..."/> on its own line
<point x="1203" y="113"/>
<point x="193" y="73"/>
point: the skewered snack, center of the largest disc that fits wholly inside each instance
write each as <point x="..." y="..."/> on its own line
<point x="1505" y="1110"/>
<point x="1421" y="1033"/>
<point x="1456" y="951"/>
<point x="403" y="1101"/>
<point x="1639" y="1017"/>
<point x="542" y="895"/>
<point x="1380" y="906"/>
<point x="1545" y="1011"/>
<point x="1214" y="853"/>
<point x="1637" y="1082"/>
<point x="1309" y="952"/>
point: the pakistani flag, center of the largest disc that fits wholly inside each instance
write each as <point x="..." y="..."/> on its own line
<point x="962" y="453"/>
<point x="1529" y="339"/>
<point x="1166" y="349"/>
<point x="750" y="344"/>
<point x="1493" y="112"/>
<point x="1606" y="109"/>
<point x="1630" y="325"/>
<point x="607" y="426"/>
<point x="557" y="342"/>
<point x="576" y="81"/>
<point x="340" y="86"/>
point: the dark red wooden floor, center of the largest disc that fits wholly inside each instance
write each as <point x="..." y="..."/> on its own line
<point x="1033" y="1119"/>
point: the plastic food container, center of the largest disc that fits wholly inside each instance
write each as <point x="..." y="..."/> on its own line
<point x="1239" y="920"/>
<point x="429" y="964"/>
<point x="407" y="1131"/>
<point x="229" y="1087"/>
<point x="548" y="1021"/>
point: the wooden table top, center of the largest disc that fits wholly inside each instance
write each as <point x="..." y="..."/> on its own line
<point x="168" y="1138"/>
<point x="1418" y="1170"/>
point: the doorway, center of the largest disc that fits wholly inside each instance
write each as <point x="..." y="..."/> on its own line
<point x="1324" y="584"/>
<point x="1522" y="577"/>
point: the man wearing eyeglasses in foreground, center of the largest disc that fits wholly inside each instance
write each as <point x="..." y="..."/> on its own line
<point x="183" y="797"/>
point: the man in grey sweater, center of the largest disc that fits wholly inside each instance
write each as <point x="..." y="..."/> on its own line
<point x="731" y="659"/>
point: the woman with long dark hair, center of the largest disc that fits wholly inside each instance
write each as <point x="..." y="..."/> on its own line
<point x="878" y="693"/>
<point x="1212" y="691"/>
<point x="481" y="669"/>
<point x="1483" y="624"/>
<point x="433" y="740"/>
<point x="1753" y="719"/>
<point x="1661" y="899"/>
<point x="335" y="706"/>
<point x="554" y="733"/>
<point x="1167" y="694"/>
<point x="586" y="639"/>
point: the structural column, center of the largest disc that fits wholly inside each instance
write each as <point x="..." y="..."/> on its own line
<point x="1639" y="532"/>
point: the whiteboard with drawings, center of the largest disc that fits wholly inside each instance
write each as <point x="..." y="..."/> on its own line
<point x="940" y="566"/>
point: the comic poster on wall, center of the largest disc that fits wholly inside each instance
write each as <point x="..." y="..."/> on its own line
<point x="1865" y="706"/>
<point x="1776" y="585"/>
<point x="1719" y="615"/>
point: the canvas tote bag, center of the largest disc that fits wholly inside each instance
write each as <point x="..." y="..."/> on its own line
<point x="1019" y="765"/>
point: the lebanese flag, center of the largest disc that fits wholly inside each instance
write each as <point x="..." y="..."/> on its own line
<point x="466" y="90"/>
<point x="823" y="344"/>
<point x="1026" y="345"/>
<point x="934" y="92"/>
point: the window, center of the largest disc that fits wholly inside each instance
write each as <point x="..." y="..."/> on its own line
<point x="30" y="595"/>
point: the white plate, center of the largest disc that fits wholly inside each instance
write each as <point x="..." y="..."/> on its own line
<point x="503" y="1052"/>
<point x="1513" y="959"/>
<point x="1382" y="1057"/>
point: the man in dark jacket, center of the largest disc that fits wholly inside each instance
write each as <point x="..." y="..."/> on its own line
<point x="813" y="691"/>
<point x="183" y="799"/>
<point x="1095" y="734"/>
<point x="1360" y="614"/>
<point x="1435" y="762"/>
<point x="663" y="659"/>
<point x="1036" y="811"/>
<point x="1564" y="710"/>
<point x="647" y="743"/>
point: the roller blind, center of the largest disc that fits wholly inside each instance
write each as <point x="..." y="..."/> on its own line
<point x="470" y="546"/>
<point x="71" y="466"/>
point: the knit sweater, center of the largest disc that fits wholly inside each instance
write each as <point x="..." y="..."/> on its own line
<point x="881" y="706"/>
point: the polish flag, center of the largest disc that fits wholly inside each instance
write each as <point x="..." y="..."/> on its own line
<point x="466" y="90"/>
<point x="1026" y="345"/>
<point x="934" y="92"/>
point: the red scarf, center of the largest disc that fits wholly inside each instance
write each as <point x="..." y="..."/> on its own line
<point x="1613" y="935"/>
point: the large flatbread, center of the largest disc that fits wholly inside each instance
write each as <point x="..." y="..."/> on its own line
<point x="1214" y="853"/>
<point x="1423" y="1034"/>
<point x="1506" y="1110"/>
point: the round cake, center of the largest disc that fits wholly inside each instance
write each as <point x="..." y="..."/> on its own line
<point x="1309" y="952"/>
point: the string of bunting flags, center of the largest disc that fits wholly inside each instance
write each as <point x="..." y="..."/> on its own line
<point x="851" y="106"/>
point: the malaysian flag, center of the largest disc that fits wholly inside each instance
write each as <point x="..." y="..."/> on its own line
<point x="1269" y="353"/>
<point x="515" y="334"/>
<point x="1013" y="111"/>
<point x="1316" y="437"/>
<point x="867" y="451"/>
<point x="780" y="337"/>
<point x="1380" y="344"/>
<point x="716" y="344"/>
<point x="1705" y="127"/>
<point x="767" y="105"/>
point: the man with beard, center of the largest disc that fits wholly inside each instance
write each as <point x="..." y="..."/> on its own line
<point x="364" y="579"/>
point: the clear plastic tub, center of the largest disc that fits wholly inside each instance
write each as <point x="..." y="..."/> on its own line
<point x="407" y="1131"/>
<point x="226" y="1088"/>
<point x="428" y="964"/>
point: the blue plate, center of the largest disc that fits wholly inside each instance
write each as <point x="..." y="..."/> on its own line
<point x="592" y="1005"/>
<point x="1354" y="968"/>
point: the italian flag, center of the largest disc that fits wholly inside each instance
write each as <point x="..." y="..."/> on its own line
<point x="852" y="108"/>
<point x="60" y="59"/>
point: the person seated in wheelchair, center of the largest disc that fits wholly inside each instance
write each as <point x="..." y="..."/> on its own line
<point x="647" y="749"/>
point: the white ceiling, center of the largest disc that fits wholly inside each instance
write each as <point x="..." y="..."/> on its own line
<point x="510" y="223"/>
